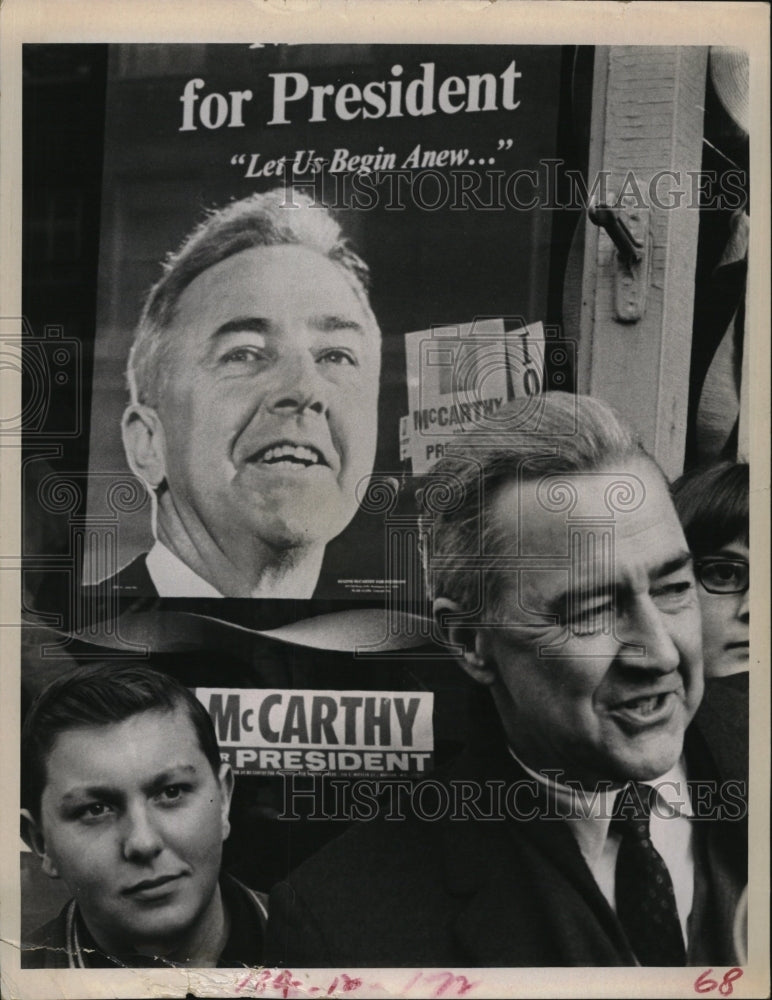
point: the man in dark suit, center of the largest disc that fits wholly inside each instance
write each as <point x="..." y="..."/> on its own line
<point x="587" y="823"/>
<point x="254" y="391"/>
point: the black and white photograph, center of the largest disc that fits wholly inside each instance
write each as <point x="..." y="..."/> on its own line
<point x="384" y="438"/>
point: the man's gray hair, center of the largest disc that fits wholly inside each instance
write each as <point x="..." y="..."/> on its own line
<point x="559" y="433"/>
<point x="279" y="217"/>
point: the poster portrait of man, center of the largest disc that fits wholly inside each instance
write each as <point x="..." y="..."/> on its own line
<point x="255" y="423"/>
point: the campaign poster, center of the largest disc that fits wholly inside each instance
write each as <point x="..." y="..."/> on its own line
<point x="418" y="152"/>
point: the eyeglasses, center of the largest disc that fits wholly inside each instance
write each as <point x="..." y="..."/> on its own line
<point x="722" y="576"/>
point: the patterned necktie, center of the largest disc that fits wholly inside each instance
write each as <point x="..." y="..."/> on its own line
<point x="645" y="898"/>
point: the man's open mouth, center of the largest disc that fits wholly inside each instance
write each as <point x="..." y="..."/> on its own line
<point x="645" y="707"/>
<point x="289" y="456"/>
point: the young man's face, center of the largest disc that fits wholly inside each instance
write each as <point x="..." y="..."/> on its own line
<point x="726" y="617"/>
<point x="133" y="819"/>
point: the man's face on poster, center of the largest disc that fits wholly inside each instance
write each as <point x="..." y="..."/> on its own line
<point x="268" y="406"/>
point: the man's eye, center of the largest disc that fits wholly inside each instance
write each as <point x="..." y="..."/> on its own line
<point x="673" y="594"/>
<point x="94" y="811"/>
<point x="723" y="576"/>
<point x="241" y="355"/>
<point x="172" y="794"/>
<point x="726" y="572"/>
<point x="588" y="621"/>
<point x="338" y="356"/>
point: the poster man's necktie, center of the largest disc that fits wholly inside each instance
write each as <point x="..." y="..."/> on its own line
<point x="645" y="897"/>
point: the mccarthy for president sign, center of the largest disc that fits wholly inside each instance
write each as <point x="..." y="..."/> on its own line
<point x="269" y="730"/>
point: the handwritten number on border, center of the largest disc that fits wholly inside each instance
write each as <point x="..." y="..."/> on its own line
<point x="702" y="984"/>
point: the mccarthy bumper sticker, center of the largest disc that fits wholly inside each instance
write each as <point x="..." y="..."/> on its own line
<point x="266" y="730"/>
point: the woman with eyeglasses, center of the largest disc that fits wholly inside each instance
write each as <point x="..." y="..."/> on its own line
<point x="713" y="506"/>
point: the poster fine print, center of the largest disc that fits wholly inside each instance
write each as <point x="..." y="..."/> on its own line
<point x="384" y="440"/>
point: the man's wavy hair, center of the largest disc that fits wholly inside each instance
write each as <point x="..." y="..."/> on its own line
<point x="559" y="433"/>
<point x="276" y="218"/>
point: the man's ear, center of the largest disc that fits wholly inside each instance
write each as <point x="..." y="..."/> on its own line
<point x="225" y="781"/>
<point x="32" y="835"/>
<point x="144" y="443"/>
<point x="473" y="659"/>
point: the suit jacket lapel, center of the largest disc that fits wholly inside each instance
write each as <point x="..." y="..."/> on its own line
<point x="530" y="894"/>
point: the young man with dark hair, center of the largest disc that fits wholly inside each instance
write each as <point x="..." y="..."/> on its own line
<point x="713" y="504"/>
<point x="125" y="799"/>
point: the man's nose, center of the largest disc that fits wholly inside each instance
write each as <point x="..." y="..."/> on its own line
<point x="142" y="840"/>
<point x="648" y="641"/>
<point x="298" y="386"/>
<point x="743" y="609"/>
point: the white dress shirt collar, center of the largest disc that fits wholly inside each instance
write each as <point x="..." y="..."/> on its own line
<point x="588" y="815"/>
<point x="173" y="578"/>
